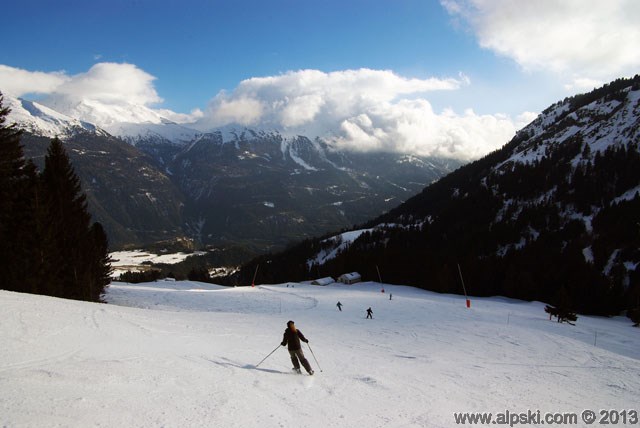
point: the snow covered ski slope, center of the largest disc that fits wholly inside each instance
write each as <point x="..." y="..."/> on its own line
<point x="184" y="354"/>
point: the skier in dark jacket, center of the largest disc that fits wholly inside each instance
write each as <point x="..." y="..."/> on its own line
<point x="369" y="313"/>
<point x="292" y="337"/>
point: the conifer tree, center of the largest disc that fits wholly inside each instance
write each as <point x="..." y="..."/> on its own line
<point x="13" y="180"/>
<point x="78" y="268"/>
<point x="29" y="238"/>
<point x="47" y="245"/>
<point x="99" y="261"/>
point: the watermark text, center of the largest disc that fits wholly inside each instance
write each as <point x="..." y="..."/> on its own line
<point x="537" y="417"/>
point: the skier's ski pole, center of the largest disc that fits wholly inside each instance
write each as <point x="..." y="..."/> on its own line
<point x="314" y="356"/>
<point x="267" y="356"/>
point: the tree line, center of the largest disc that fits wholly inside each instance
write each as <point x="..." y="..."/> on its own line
<point x="48" y="243"/>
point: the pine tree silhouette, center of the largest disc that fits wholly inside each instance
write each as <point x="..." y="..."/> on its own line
<point x="13" y="185"/>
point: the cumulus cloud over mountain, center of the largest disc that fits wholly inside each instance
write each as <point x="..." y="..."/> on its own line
<point x="106" y="82"/>
<point x="358" y="110"/>
<point x="18" y="82"/>
<point x="299" y="98"/>
<point x="112" y="83"/>
<point x="411" y="126"/>
<point x="363" y="110"/>
<point x="107" y="94"/>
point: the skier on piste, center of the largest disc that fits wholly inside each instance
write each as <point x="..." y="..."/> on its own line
<point x="292" y="337"/>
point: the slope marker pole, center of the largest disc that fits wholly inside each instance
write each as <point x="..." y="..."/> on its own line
<point x="380" y="279"/>
<point x="463" y="287"/>
<point x="253" y="282"/>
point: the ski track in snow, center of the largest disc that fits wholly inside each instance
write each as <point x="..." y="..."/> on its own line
<point x="185" y="354"/>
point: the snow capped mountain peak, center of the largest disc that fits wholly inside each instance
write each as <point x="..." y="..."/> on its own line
<point x="106" y="115"/>
<point x="64" y="117"/>
<point x="131" y="122"/>
<point x="41" y="120"/>
<point x="599" y="120"/>
<point x="165" y="131"/>
<point x="234" y="133"/>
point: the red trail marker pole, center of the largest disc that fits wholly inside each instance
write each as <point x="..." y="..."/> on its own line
<point x="463" y="287"/>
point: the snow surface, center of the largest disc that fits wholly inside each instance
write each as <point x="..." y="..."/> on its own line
<point x="287" y="147"/>
<point x="104" y="113"/>
<point x="134" y="260"/>
<point x="135" y="132"/>
<point x="184" y="354"/>
<point x="137" y="256"/>
<point x="341" y="241"/>
<point x="130" y="122"/>
<point x="44" y="121"/>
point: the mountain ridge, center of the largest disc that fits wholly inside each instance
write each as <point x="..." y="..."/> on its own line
<point x="550" y="216"/>
<point x="39" y="119"/>
<point x="233" y="186"/>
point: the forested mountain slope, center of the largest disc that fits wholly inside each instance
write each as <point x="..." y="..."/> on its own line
<point x="552" y="216"/>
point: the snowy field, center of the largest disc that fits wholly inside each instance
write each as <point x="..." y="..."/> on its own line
<point x="184" y="354"/>
<point x="134" y="260"/>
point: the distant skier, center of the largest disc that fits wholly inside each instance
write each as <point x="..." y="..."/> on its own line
<point x="292" y="337"/>
<point x="339" y="305"/>
<point x="369" y="313"/>
<point x="390" y="296"/>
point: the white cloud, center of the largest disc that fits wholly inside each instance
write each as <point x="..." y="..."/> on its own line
<point x="525" y="118"/>
<point x="582" y="84"/>
<point x="18" y="82"/>
<point x="111" y="83"/>
<point x="362" y="110"/>
<point x="352" y="109"/>
<point x="104" y="82"/>
<point x="298" y="98"/>
<point x="411" y="126"/>
<point x="184" y="118"/>
<point x="582" y="40"/>
<point x="108" y="93"/>
<point x="301" y="110"/>
<point x="242" y="110"/>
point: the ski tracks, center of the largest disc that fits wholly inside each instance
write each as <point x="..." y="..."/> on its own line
<point x="40" y="363"/>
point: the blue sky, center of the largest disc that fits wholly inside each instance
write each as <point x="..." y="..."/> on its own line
<point x="197" y="48"/>
<point x="500" y="59"/>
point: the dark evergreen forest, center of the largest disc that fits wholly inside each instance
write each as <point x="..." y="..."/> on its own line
<point x="48" y="244"/>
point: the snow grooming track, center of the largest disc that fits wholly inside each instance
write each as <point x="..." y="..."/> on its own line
<point x="190" y="359"/>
